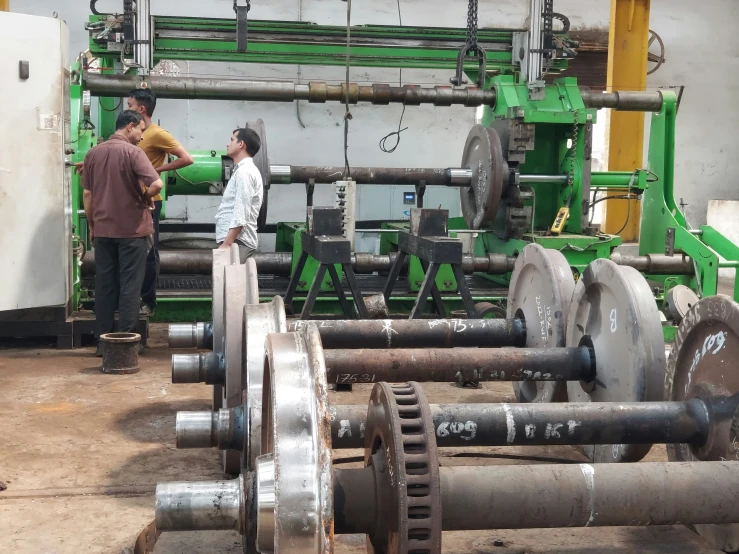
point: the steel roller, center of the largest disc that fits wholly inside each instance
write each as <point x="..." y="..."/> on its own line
<point x="320" y="92"/>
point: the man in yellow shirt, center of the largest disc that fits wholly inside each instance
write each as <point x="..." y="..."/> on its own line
<point x="157" y="144"/>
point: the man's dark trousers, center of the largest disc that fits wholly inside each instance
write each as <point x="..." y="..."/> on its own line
<point x="119" y="273"/>
<point x="149" y="288"/>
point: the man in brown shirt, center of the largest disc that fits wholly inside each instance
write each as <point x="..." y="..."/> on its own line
<point x="119" y="183"/>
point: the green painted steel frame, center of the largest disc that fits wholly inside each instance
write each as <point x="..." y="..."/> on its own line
<point x="290" y="42"/>
<point x="705" y="246"/>
<point x="556" y="118"/>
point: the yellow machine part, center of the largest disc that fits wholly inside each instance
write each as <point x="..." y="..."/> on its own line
<point x="627" y="70"/>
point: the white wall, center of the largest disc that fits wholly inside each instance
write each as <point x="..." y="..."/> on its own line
<point x="702" y="47"/>
<point x="702" y="51"/>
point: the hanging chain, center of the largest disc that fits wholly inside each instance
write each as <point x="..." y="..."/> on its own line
<point x="248" y="5"/>
<point x="573" y="157"/>
<point x="472" y="26"/>
<point x="470" y="48"/>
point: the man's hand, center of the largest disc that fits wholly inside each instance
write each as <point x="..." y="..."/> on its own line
<point x="91" y="233"/>
<point x="79" y="168"/>
<point x="224" y="246"/>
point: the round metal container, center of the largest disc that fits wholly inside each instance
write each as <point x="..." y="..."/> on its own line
<point x="120" y="353"/>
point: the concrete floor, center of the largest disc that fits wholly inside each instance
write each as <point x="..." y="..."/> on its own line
<point x="81" y="453"/>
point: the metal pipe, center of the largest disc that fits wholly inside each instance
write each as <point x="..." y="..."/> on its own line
<point x="191" y="335"/>
<point x="624" y="101"/>
<point x="477" y="425"/>
<point x="585" y="495"/>
<point x="443" y="365"/>
<point x="210" y="505"/>
<point x="197" y="429"/>
<point x="542" y="178"/>
<point x="432" y="177"/>
<point x="417" y="333"/>
<point x="203" y="367"/>
<point x="488" y="497"/>
<point x="657" y="264"/>
<point x="380" y="175"/>
<point x="459" y="364"/>
<point x="200" y="262"/>
<point x="208" y="169"/>
<point x="208" y="368"/>
<point x="354" y="517"/>
<point x="472" y="425"/>
<point x="224" y="429"/>
<point x="285" y="91"/>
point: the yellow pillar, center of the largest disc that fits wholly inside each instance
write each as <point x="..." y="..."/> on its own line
<point x="627" y="70"/>
<point x="4" y="5"/>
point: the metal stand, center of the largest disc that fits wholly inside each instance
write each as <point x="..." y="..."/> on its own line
<point x="324" y="242"/>
<point x="68" y="328"/>
<point x="428" y="240"/>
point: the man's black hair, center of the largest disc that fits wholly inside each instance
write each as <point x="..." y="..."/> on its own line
<point x="126" y="117"/>
<point x="146" y="98"/>
<point x="251" y="139"/>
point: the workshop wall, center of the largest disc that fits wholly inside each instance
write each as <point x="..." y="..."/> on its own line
<point x="700" y="49"/>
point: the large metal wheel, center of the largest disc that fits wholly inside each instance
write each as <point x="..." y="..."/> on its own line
<point x="400" y="443"/>
<point x="260" y="320"/>
<point x="483" y="154"/>
<point x="614" y="312"/>
<point x="234" y="300"/>
<point x="540" y="291"/>
<point x="294" y="476"/>
<point x="261" y="160"/>
<point x="703" y="364"/>
<point x="252" y="282"/>
<point x="221" y="258"/>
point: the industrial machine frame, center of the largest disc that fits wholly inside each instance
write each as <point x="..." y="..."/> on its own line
<point x="559" y="114"/>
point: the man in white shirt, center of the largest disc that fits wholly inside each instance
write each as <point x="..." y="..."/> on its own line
<point x="236" y="218"/>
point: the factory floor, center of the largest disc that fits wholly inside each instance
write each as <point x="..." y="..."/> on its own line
<point x="81" y="453"/>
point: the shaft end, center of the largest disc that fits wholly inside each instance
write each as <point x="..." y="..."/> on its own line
<point x="186" y="368"/>
<point x="196" y="429"/>
<point x="206" y="506"/>
<point x="191" y="335"/>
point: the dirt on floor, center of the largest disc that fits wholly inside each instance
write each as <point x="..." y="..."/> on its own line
<point x="81" y="453"/>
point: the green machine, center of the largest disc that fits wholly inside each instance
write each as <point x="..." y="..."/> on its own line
<point x="525" y="171"/>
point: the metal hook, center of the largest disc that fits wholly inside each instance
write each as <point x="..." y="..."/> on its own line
<point x="480" y="55"/>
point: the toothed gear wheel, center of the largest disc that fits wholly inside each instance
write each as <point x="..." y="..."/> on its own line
<point x="400" y="441"/>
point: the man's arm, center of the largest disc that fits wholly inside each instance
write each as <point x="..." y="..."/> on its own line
<point x="233" y="234"/>
<point x="241" y="208"/>
<point x="87" y="195"/>
<point x="183" y="160"/>
<point x="155" y="188"/>
<point x="87" y="203"/>
<point x="147" y="175"/>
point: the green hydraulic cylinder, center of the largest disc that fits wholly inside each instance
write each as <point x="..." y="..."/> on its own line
<point x="204" y="176"/>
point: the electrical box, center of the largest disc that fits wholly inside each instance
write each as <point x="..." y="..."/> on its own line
<point x="394" y="203"/>
<point x="35" y="199"/>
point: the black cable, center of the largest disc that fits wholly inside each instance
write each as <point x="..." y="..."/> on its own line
<point x="79" y="136"/>
<point x="347" y="114"/>
<point x="628" y="215"/>
<point x="120" y="101"/>
<point x="396" y="134"/>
